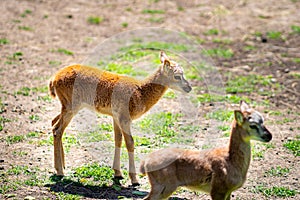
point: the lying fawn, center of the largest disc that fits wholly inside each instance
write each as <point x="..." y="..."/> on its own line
<point x="218" y="171"/>
<point x="122" y="97"/>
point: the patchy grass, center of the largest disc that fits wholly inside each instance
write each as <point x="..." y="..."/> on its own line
<point x="2" y="106"/>
<point x="170" y="94"/>
<point x="23" y="91"/>
<point x="95" y="20"/>
<point x="34" y="117"/>
<point x="295" y="29"/>
<point x="296" y="60"/>
<point x="221" y="41"/>
<point x="46" y="98"/>
<point x="156" y="45"/>
<point x="125" y="69"/>
<point x="251" y="83"/>
<point x="25" y="13"/>
<point x="249" y="48"/>
<point x="225" y="130"/>
<point x="258" y="150"/>
<point x="4" y="41"/>
<point x="293" y="146"/>
<point x="275" y="35"/>
<point x="164" y="129"/>
<point x="230" y="98"/>
<point x="19" y="176"/>
<point x="219" y="53"/>
<point x="212" y="32"/>
<point x="149" y="11"/>
<point x="64" y="51"/>
<point x="3" y="120"/>
<point x="55" y="63"/>
<point x="156" y="19"/>
<point x="124" y="24"/>
<point x="12" y="139"/>
<point x="94" y="174"/>
<point x="26" y="91"/>
<point x="278" y="171"/>
<point x="25" y="28"/>
<point x="68" y="141"/>
<point x="220" y="115"/>
<point x="275" y="191"/>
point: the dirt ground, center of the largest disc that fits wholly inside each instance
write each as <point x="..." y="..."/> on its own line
<point x="36" y="29"/>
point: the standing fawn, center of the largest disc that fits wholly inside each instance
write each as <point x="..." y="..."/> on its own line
<point x="122" y="97"/>
<point x="218" y="171"/>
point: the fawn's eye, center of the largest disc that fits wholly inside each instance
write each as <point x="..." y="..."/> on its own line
<point x="177" y="77"/>
<point x="253" y="127"/>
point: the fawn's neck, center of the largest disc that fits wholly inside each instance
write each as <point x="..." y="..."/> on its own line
<point x="239" y="149"/>
<point x="153" y="88"/>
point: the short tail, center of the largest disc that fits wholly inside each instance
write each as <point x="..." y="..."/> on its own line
<point x="52" y="89"/>
<point x="142" y="167"/>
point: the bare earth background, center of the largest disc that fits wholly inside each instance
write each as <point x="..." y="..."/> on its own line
<point x="38" y="28"/>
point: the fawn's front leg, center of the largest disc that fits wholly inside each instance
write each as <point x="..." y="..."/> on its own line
<point x="130" y="149"/>
<point x="117" y="156"/>
<point x="126" y="132"/>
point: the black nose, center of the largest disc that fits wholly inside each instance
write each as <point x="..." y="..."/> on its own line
<point x="187" y="89"/>
<point x="267" y="135"/>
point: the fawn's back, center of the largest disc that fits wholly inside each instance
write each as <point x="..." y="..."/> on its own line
<point x="80" y="86"/>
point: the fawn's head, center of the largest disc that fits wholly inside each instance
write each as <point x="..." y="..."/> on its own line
<point x="252" y="122"/>
<point x="174" y="74"/>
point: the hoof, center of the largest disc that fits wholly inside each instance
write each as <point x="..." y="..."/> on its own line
<point x="117" y="179"/>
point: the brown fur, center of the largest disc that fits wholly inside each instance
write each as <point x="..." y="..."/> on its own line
<point x="217" y="171"/>
<point x="122" y="97"/>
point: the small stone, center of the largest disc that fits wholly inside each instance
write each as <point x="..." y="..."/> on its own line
<point x="9" y="195"/>
<point x="273" y="80"/>
<point x="29" y="198"/>
<point x="286" y="70"/>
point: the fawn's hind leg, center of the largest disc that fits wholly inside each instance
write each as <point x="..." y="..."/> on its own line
<point x="55" y="120"/>
<point x="64" y="119"/>
<point x="155" y="192"/>
<point x="158" y="190"/>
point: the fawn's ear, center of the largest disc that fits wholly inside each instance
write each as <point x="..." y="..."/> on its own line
<point x="165" y="60"/>
<point x="163" y="57"/>
<point x="239" y="117"/>
<point x="244" y="106"/>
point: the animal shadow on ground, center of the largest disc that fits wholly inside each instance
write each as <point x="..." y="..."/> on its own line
<point x="69" y="186"/>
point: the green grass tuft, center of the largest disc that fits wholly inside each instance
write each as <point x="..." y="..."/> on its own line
<point x="212" y="32"/>
<point x="275" y="35"/>
<point x="219" y="52"/>
<point x="102" y="175"/>
<point x="65" y="51"/>
<point x="4" y="41"/>
<point x="278" y="171"/>
<point x="221" y="115"/>
<point x="251" y="83"/>
<point x="156" y="45"/>
<point x="276" y="191"/>
<point x="12" y="139"/>
<point x="156" y="19"/>
<point x="149" y="11"/>
<point x="95" y="20"/>
<point x="3" y="120"/>
<point x="295" y="29"/>
<point x="294" y="146"/>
